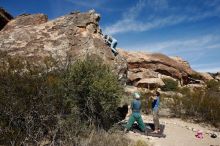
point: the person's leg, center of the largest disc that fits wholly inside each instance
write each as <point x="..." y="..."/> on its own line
<point x="130" y="122"/>
<point x="141" y="123"/>
<point x="113" y="45"/>
<point x="156" y="120"/>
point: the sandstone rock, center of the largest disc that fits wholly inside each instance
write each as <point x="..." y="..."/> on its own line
<point x="171" y="93"/>
<point x="139" y="73"/>
<point x="5" y="17"/>
<point x="195" y="86"/>
<point x="25" y="20"/>
<point x="217" y="76"/>
<point x="64" y="39"/>
<point x="130" y="89"/>
<point x="206" y="76"/>
<point x="149" y="82"/>
<point x="180" y="60"/>
<point x="159" y="63"/>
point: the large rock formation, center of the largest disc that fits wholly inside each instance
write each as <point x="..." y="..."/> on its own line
<point x="26" y="20"/>
<point x="217" y="76"/>
<point x="206" y="76"/>
<point x="154" y="65"/>
<point x="5" y="17"/>
<point x="64" y="39"/>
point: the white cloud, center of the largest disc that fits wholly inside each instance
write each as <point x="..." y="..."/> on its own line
<point x="208" y="69"/>
<point x="206" y="65"/>
<point x="129" y="21"/>
<point x="180" y="45"/>
<point x="86" y="3"/>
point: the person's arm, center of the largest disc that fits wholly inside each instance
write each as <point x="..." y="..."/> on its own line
<point x="132" y="105"/>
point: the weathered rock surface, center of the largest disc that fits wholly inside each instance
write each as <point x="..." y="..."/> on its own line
<point x="149" y="82"/>
<point x="25" y="20"/>
<point x="5" y="17"/>
<point x="206" y="76"/>
<point x="181" y="61"/>
<point x="217" y="76"/>
<point x="64" y="39"/>
<point x="145" y="65"/>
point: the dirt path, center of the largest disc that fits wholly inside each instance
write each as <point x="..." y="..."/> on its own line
<point x="178" y="133"/>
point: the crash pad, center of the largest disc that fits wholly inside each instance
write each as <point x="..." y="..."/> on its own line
<point x="149" y="129"/>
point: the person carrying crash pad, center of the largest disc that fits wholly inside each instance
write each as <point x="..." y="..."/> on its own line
<point x="155" y="111"/>
<point x="136" y="115"/>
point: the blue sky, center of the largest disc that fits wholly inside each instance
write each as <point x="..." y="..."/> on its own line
<point x="186" y="28"/>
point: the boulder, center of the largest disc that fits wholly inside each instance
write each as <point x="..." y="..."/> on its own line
<point x="217" y="76"/>
<point x="5" y="17"/>
<point x="63" y="40"/>
<point x="26" y="20"/>
<point x="150" y="83"/>
<point x="206" y="76"/>
<point x="180" y="60"/>
<point x="139" y="73"/>
<point x="196" y="86"/>
<point x="130" y="89"/>
<point x="159" y="64"/>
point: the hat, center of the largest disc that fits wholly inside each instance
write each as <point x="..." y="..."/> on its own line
<point x="136" y="95"/>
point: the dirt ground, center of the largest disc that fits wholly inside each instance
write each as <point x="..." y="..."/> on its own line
<point x="178" y="133"/>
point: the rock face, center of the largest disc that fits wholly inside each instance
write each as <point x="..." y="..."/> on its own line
<point x="181" y="61"/>
<point x="144" y="65"/>
<point x="5" y="17"/>
<point x="25" y="20"/>
<point x="217" y="76"/>
<point x="64" y="39"/>
<point x="206" y="76"/>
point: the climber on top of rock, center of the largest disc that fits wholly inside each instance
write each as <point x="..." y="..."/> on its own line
<point x="111" y="42"/>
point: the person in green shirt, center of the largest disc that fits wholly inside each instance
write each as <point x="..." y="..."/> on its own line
<point x="136" y="114"/>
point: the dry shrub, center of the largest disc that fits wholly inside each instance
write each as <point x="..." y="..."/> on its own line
<point x="141" y="143"/>
<point x="201" y="105"/>
<point x="170" y="85"/>
<point x="55" y="106"/>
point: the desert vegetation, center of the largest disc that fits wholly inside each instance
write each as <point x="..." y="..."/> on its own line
<point x="72" y="106"/>
<point x="202" y="105"/>
<point x="170" y="85"/>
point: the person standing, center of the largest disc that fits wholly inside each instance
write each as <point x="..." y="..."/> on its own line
<point x="146" y="102"/>
<point x="155" y="111"/>
<point x="136" y="115"/>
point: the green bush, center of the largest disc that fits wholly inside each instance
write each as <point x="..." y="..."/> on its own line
<point x="146" y="102"/>
<point x="197" y="76"/>
<point x="201" y="105"/>
<point x="213" y="85"/>
<point x="38" y="106"/>
<point x="170" y="85"/>
<point x="29" y="102"/>
<point x="141" y="143"/>
<point x="95" y="90"/>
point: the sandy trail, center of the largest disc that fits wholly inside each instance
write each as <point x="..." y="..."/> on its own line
<point x="178" y="133"/>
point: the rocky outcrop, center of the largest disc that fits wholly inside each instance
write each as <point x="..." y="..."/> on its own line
<point x="26" y="20"/>
<point x="64" y="39"/>
<point x="150" y="83"/>
<point x="217" y="76"/>
<point x="181" y="61"/>
<point x="206" y="76"/>
<point x="5" y="17"/>
<point x="154" y="65"/>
